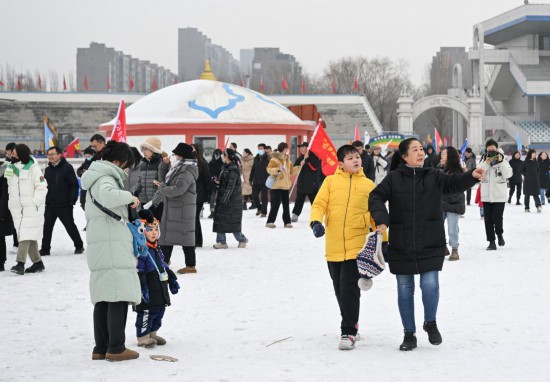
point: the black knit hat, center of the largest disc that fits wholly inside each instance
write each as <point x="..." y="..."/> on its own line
<point x="184" y="150"/>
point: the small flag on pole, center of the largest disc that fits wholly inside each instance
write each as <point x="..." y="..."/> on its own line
<point x="323" y="147"/>
<point x="119" y="127"/>
<point x="356" y="137"/>
<point x="463" y="148"/>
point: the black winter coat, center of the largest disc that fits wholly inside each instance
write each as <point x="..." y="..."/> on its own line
<point x="204" y="183"/>
<point x="158" y="290"/>
<point x="455" y="202"/>
<point x="517" y="165"/>
<point x="544" y="166"/>
<point x="215" y="167"/>
<point x="62" y="185"/>
<point x="228" y="214"/>
<point x="416" y="231"/>
<point x="311" y="177"/>
<point x="531" y="177"/>
<point x="81" y="170"/>
<point x="258" y="174"/>
<point x="368" y="166"/>
<point x="6" y="221"/>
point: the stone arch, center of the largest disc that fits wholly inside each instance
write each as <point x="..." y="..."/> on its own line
<point x="437" y="101"/>
<point x="457" y="77"/>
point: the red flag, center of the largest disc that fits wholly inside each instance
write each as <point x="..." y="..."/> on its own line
<point x="155" y="87"/>
<point x="262" y="88"/>
<point x="1" y="83"/>
<point x="284" y="84"/>
<point x="64" y="83"/>
<point x="19" y="83"/>
<point x="333" y="86"/>
<point x="131" y="83"/>
<point x="303" y="86"/>
<point x="39" y="82"/>
<point x="356" y="136"/>
<point x="71" y="148"/>
<point x="85" y="83"/>
<point x="108" y="84"/>
<point x="437" y="141"/>
<point x="322" y="146"/>
<point x="119" y="127"/>
<point x="355" y="85"/>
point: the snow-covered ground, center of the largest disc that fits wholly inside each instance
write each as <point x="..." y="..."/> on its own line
<point x="493" y="314"/>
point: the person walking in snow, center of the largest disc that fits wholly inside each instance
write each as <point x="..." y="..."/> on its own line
<point x="215" y="166"/>
<point x="417" y="234"/>
<point x="309" y="179"/>
<point x="6" y="221"/>
<point x="27" y="191"/>
<point x="516" y="179"/>
<point x="380" y="165"/>
<point x="247" y="161"/>
<point x="494" y="191"/>
<point x="114" y="282"/>
<point x="544" y="175"/>
<point x="344" y="198"/>
<point x="258" y="176"/>
<point x="228" y="214"/>
<point x="531" y="181"/>
<point x="470" y="162"/>
<point x="204" y="188"/>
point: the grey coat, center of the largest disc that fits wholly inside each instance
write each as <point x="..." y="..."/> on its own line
<point x="179" y="190"/>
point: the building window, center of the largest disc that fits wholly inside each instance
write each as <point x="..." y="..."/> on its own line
<point x="544" y="42"/>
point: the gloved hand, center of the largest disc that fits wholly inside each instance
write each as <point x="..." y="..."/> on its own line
<point x="318" y="229"/>
<point x="145" y="293"/>
<point x="174" y="286"/>
<point x="148" y="205"/>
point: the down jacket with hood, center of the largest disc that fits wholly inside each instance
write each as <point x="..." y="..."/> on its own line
<point x="27" y="189"/>
<point x="110" y="251"/>
<point x="275" y="168"/>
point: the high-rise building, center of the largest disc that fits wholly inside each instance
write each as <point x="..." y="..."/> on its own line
<point x="194" y="48"/>
<point x="105" y="69"/>
<point x="270" y="66"/>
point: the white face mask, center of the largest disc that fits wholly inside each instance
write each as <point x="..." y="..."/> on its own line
<point x="173" y="160"/>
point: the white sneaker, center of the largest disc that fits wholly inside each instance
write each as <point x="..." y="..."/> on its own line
<point x="294" y="218"/>
<point x="358" y="337"/>
<point x="347" y="342"/>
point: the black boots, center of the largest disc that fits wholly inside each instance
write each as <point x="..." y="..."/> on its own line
<point x="18" y="268"/>
<point x="433" y="334"/>
<point x="409" y="342"/>
<point x="500" y="241"/>
<point x="36" y="267"/>
<point x="492" y="246"/>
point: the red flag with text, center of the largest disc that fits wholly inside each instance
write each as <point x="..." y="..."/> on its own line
<point x="119" y="127"/>
<point x="72" y="148"/>
<point x="322" y="146"/>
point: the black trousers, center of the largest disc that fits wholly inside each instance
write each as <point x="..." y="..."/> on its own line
<point x="493" y="213"/>
<point x="468" y="195"/>
<point x="278" y="197"/>
<point x="65" y="214"/>
<point x="300" y="199"/>
<point x="526" y="201"/>
<point x="109" y="326"/>
<point x="189" y="252"/>
<point x="257" y="190"/>
<point x="198" y="228"/>
<point x="513" y="187"/>
<point x="2" y="249"/>
<point x="344" y="277"/>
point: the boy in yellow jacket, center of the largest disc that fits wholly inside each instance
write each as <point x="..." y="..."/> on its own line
<point x="343" y="202"/>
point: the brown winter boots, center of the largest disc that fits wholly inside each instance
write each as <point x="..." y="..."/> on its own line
<point x="160" y="341"/>
<point x="146" y="341"/>
<point x="126" y="355"/>
<point x="185" y="270"/>
<point x="454" y="255"/>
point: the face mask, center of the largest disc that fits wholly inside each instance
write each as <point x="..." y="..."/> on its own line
<point x="89" y="158"/>
<point x="216" y="156"/>
<point x="260" y="152"/>
<point x="14" y="160"/>
<point x="173" y="160"/>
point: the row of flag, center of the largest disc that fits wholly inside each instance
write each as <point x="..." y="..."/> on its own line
<point x="286" y="88"/>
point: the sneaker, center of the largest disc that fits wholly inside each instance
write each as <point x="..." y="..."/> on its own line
<point x="539" y="209"/>
<point x="36" y="267"/>
<point x="492" y="246"/>
<point x="242" y="244"/>
<point x="18" y="268"/>
<point x="454" y="255"/>
<point x="294" y="218"/>
<point x="44" y="252"/>
<point x="146" y="341"/>
<point x="79" y="251"/>
<point x="160" y="341"/>
<point x="258" y="213"/>
<point x="347" y="342"/>
<point x="270" y="225"/>
<point x="220" y="246"/>
<point x="447" y="253"/>
<point x="358" y="337"/>
<point x="186" y="270"/>
<point x="288" y="225"/>
<point x="500" y="241"/>
<point x="433" y="333"/>
<point x="409" y="342"/>
<point x="126" y="355"/>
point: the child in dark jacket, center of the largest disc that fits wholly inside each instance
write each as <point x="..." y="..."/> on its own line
<point x="155" y="278"/>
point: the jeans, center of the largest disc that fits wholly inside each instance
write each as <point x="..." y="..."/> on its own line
<point x="239" y="236"/>
<point x="542" y="195"/>
<point x="452" y="225"/>
<point x="429" y="283"/>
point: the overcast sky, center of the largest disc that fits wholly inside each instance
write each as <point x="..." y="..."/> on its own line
<point x="44" y="34"/>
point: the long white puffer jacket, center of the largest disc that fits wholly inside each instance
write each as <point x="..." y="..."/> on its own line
<point x="27" y="191"/>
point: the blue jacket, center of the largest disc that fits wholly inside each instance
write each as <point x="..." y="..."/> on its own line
<point x="148" y="274"/>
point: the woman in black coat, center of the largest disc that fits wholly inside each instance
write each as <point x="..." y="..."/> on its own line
<point x="417" y="234"/>
<point x="228" y="214"/>
<point x="531" y="180"/>
<point x="215" y="167"/>
<point x="204" y="184"/>
<point x="544" y="176"/>
<point x="6" y="221"/>
<point x="515" y="181"/>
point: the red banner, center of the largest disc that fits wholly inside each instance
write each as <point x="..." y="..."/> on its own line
<point x="322" y="146"/>
<point x="119" y="128"/>
<point x="72" y="148"/>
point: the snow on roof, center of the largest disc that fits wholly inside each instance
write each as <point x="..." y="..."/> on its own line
<point x="205" y="101"/>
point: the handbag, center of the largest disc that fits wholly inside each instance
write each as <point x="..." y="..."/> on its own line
<point x="270" y="181"/>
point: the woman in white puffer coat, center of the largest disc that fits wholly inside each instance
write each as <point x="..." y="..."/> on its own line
<point x="27" y="191"/>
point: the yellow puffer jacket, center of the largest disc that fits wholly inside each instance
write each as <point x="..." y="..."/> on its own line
<point x="276" y="162"/>
<point x="343" y="202"/>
